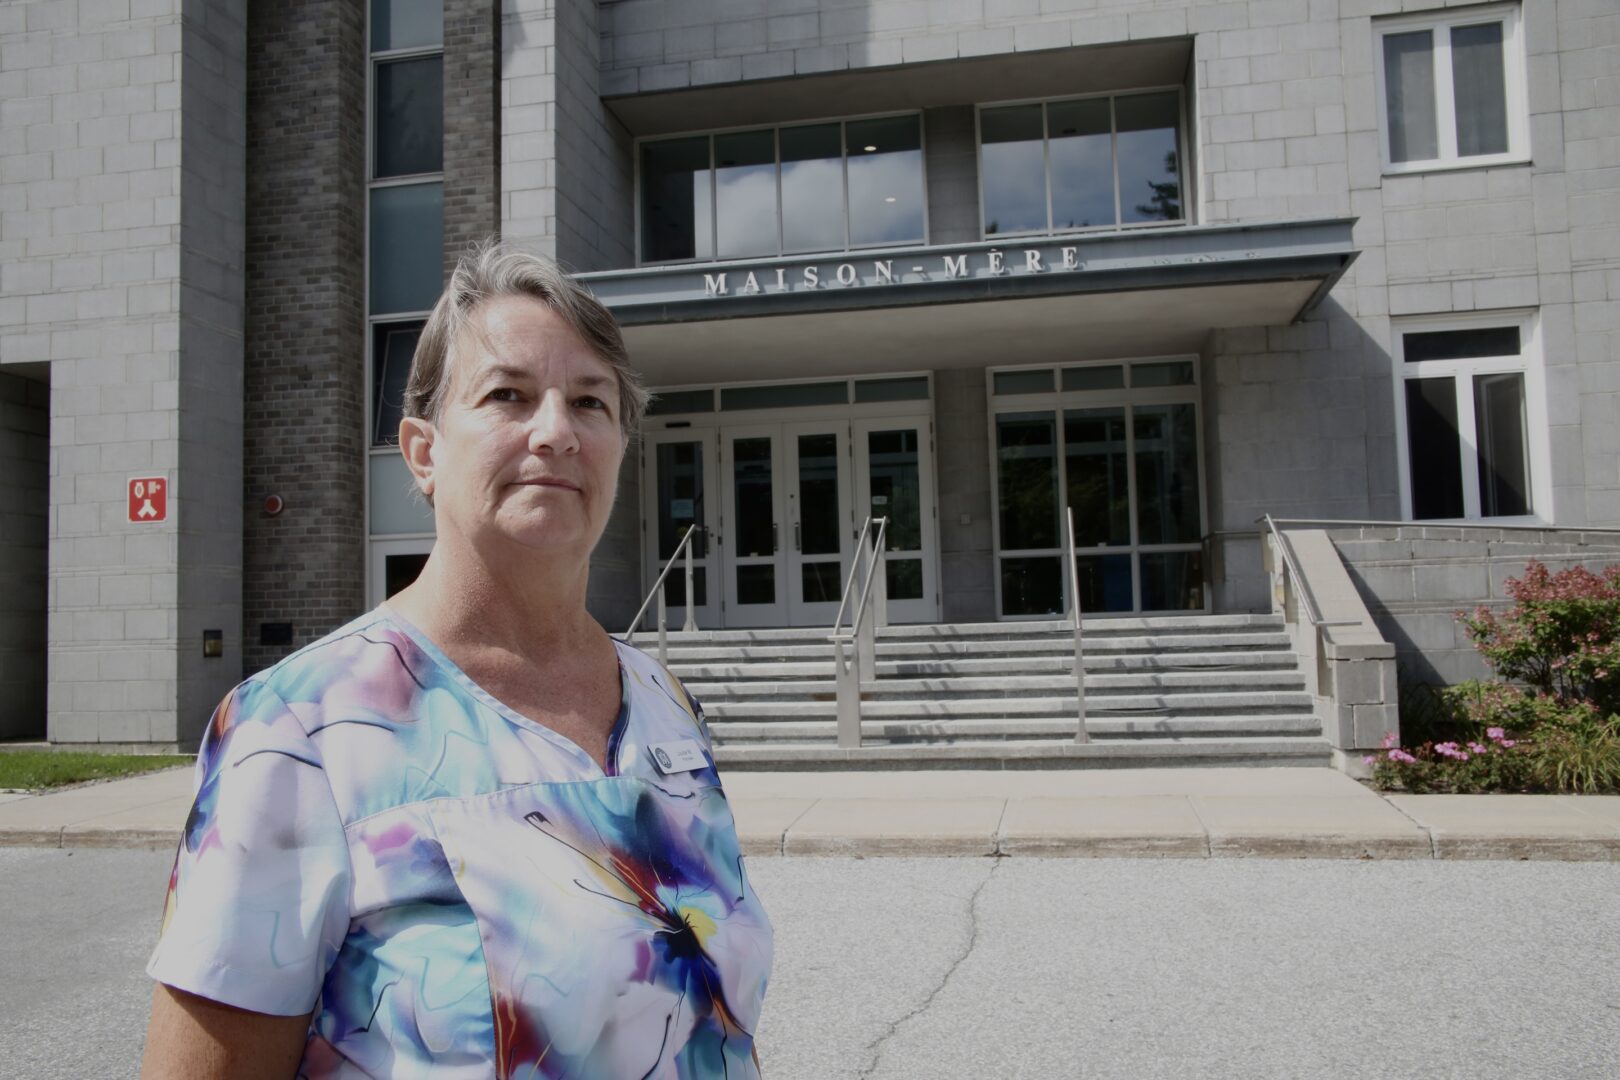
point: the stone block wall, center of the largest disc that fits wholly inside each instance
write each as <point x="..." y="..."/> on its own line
<point x="595" y="172"/>
<point x="1415" y="579"/>
<point x="303" y="428"/>
<point x="25" y="463"/>
<point x="90" y="139"/>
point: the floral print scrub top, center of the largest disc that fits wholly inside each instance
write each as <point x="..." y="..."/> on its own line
<point x="462" y="891"/>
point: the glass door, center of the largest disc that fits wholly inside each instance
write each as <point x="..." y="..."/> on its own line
<point x="751" y="463"/>
<point x="894" y="478"/>
<point x="678" y="478"/>
<point x="820" y="517"/>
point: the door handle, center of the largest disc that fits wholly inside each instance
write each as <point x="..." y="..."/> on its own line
<point x="775" y="546"/>
<point x="796" y="546"/>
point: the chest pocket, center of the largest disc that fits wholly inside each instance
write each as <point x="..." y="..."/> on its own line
<point x="621" y="934"/>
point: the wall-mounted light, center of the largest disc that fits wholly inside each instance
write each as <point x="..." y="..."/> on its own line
<point x="213" y="644"/>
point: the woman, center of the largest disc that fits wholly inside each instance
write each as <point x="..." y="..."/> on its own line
<point x="444" y="840"/>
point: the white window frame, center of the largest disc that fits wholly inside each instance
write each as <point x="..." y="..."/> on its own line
<point x="1513" y="74"/>
<point x="1528" y="362"/>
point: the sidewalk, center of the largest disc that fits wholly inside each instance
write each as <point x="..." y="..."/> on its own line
<point x="1189" y="813"/>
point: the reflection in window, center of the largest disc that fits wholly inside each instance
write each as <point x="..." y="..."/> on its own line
<point x="1172" y="581"/>
<point x="1013" y="170"/>
<point x="745" y="194"/>
<point x="406" y="24"/>
<point x="1082" y="163"/>
<point x="896" y="486"/>
<point x="885" y="180"/>
<point x="1099" y="476"/>
<point x="815" y="187"/>
<point x="1430" y="118"/>
<point x="1026" y="457"/>
<point x="1167" y="505"/>
<point x="812" y="187"/>
<point x="1105" y="583"/>
<point x="1504" y="444"/>
<point x="1032" y="586"/>
<point x="1409" y="96"/>
<point x="680" y="498"/>
<point x="1106" y="161"/>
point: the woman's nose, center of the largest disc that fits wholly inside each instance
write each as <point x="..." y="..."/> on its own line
<point x="552" y="427"/>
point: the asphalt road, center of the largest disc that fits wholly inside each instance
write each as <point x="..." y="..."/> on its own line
<point x="913" y="968"/>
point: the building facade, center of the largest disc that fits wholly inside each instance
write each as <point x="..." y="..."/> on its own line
<point x="966" y="265"/>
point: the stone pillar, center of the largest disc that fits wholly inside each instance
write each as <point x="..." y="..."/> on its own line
<point x="303" y="435"/>
<point x="962" y="464"/>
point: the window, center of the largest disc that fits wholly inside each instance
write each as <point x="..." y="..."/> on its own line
<point x="1098" y="162"/>
<point x="1116" y="444"/>
<point x="1470" y="422"/>
<point x="772" y="191"/>
<point x="1451" y="89"/>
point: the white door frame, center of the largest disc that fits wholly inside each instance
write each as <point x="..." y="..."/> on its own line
<point x="733" y="558"/>
<point x="803" y="612"/>
<point x="706" y="614"/>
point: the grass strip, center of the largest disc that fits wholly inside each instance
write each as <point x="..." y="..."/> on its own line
<point x="31" y="770"/>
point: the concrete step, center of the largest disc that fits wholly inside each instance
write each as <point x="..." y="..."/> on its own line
<point x="1034" y="754"/>
<point x="1005" y="685"/>
<point x="1168" y="644"/>
<point x="1093" y="626"/>
<point x="730" y="733"/>
<point x="1059" y="664"/>
<point x="1205" y="704"/>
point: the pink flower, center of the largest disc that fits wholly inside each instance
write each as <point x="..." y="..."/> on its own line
<point x="1401" y="755"/>
<point x="1369" y="759"/>
<point x="1476" y="748"/>
<point x="1494" y="733"/>
<point x="1509" y="742"/>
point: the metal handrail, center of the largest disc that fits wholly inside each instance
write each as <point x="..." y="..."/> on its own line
<point x="848" y="667"/>
<point x="657" y="591"/>
<point x="1080" y="735"/>
<point x="1312" y="612"/>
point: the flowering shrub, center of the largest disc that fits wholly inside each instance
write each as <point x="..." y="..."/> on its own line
<point x="1549" y="720"/>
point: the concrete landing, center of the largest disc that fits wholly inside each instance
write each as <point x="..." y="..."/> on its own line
<point x="1136" y="813"/>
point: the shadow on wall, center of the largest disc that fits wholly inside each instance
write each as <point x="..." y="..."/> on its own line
<point x="1414" y="580"/>
<point x="1298" y="423"/>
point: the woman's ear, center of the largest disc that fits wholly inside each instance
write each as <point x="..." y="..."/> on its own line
<point x="416" y="445"/>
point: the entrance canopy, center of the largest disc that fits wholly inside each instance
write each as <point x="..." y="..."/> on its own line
<point x="1141" y="292"/>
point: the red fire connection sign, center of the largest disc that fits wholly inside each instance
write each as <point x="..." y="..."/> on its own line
<point x="148" y="499"/>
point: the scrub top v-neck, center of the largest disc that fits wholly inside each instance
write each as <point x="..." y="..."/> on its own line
<point x="455" y="890"/>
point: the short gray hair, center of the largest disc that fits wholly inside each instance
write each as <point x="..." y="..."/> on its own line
<point x="490" y="270"/>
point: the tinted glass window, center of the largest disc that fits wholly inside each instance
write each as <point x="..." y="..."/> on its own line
<point x="1460" y="344"/>
<point x="407" y="247"/>
<point x="1432" y="449"/>
<point x="676" y="202"/>
<point x="812" y="188"/>
<point x="1409" y="96"/>
<point x="1479" y="85"/>
<point x="410" y="117"/>
<point x="745" y="194"/>
<point x="393" y="345"/>
<point x="885" y="180"/>
<point x="1012" y="168"/>
<point x="1149" y="157"/>
<point x="1082" y="163"/>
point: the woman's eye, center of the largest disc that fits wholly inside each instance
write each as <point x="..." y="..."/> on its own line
<point x="503" y="393"/>
<point x="590" y="402"/>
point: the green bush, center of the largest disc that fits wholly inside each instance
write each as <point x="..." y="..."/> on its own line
<point x="1550" y="718"/>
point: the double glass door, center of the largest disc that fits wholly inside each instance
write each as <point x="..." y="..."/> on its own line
<point x="779" y="506"/>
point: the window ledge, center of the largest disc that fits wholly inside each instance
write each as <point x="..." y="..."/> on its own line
<point x="1428" y="168"/>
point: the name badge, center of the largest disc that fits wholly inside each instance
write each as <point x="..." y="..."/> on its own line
<point x="682" y="756"/>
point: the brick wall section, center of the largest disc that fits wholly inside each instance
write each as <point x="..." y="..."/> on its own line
<point x="24" y="461"/>
<point x="472" y="134"/>
<point x="303" y="430"/>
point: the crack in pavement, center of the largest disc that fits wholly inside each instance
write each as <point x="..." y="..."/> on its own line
<point x="875" y="1048"/>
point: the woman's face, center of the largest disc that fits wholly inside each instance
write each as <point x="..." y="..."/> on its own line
<point x="528" y="444"/>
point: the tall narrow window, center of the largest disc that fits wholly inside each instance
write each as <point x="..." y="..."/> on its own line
<point x="1451" y="85"/>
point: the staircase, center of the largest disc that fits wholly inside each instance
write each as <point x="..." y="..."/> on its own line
<point x="1165" y="690"/>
